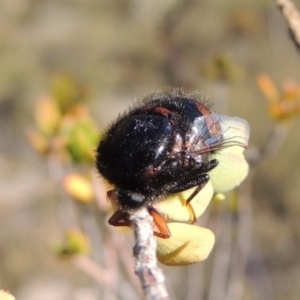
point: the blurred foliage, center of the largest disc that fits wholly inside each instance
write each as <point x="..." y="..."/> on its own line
<point x="64" y="125"/>
<point x="67" y="92"/>
<point x="66" y="131"/>
<point x="221" y="68"/>
<point x="74" y="243"/>
<point x="283" y="104"/>
<point x="79" y="187"/>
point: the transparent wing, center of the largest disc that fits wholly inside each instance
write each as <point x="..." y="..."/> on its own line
<point x="212" y="132"/>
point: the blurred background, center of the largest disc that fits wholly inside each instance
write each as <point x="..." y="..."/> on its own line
<point x="111" y="53"/>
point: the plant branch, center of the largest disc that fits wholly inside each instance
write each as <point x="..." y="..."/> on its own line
<point x="292" y="16"/>
<point x="150" y="275"/>
<point x="92" y="269"/>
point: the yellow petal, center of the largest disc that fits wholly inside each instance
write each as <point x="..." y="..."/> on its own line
<point x="219" y="197"/>
<point x="233" y="167"/>
<point x="78" y="187"/>
<point x="175" y="208"/>
<point x="188" y="244"/>
<point x="231" y="171"/>
<point x="235" y="131"/>
<point x="6" y="296"/>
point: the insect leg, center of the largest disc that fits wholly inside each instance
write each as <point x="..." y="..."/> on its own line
<point x="119" y="218"/>
<point x="199" y="180"/>
<point x="160" y="223"/>
<point x="189" y="182"/>
<point x="191" y="197"/>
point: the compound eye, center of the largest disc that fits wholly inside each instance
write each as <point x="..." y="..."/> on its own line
<point x="135" y="199"/>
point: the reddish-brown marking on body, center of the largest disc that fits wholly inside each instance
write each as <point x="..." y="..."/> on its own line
<point x="214" y="128"/>
<point x="162" y="110"/>
<point x="204" y="110"/>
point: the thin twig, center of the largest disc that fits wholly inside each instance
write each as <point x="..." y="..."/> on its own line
<point x="92" y="269"/>
<point x="151" y="277"/>
<point x="271" y="147"/>
<point x="126" y="259"/>
<point x="242" y="242"/>
<point x="222" y="257"/>
<point x="292" y="16"/>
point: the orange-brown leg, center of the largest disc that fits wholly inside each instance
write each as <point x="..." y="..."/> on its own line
<point x="119" y="218"/>
<point x="190" y="207"/>
<point x="160" y="223"/>
<point x="190" y="198"/>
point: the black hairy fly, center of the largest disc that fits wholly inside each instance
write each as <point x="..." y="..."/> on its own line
<point x="161" y="146"/>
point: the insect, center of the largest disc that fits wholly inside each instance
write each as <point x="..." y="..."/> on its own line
<point x="161" y="146"/>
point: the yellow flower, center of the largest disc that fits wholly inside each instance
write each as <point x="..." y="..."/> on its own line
<point x="6" y="295"/>
<point x="190" y="243"/>
<point x="233" y="167"/>
<point x="175" y="209"/>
